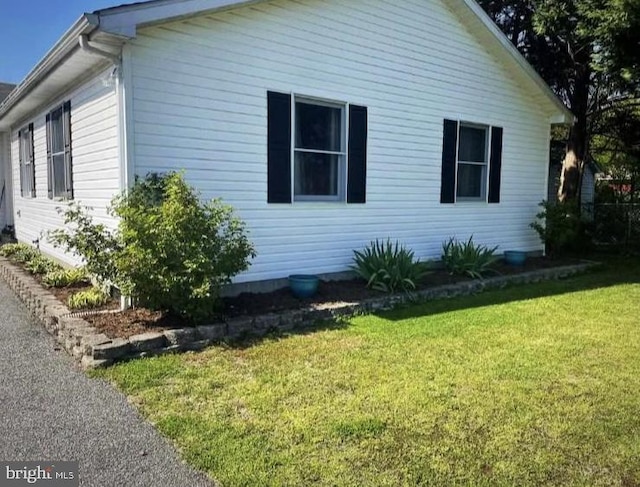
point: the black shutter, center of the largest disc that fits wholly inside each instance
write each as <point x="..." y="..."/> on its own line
<point x="32" y="159"/>
<point x="449" y="151"/>
<point x="49" y="158"/>
<point x="68" y="162"/>
<point x="357" y="174"/>
<point x="278" y="147"/>
<point x="21" y="161"/>
<point x="495" y="165"/>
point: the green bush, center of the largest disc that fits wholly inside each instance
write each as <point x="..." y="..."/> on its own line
<point x="89" y="299"/>
<point x="177" y="252"/>
<point x="40" y="265"/>
<point x="559" y="226"/>
<point x="467" y="258"/>
<point x="96" y="244"/>
<point x="170" y="251"/>
<point x="65" y="278"/>
<point x="11" y="249"/>
<point x="388" y="267"/>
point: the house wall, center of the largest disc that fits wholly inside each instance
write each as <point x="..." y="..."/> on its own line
<point x="199" y="101"/>
<point x="96" y="170"/>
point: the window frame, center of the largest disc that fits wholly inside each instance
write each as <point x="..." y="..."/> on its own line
<point x="28" y="162"/>
<point x="483" y="198"/>
<point x="65" y="194"/>
<point x="343" y="154"/>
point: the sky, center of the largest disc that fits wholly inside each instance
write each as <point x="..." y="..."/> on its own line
<point x="29" y="28"/>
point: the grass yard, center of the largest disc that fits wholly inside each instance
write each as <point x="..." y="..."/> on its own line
<point x="532" y="385"/>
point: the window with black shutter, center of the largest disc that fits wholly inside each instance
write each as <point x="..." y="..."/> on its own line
<point x="317" y="150"/>
<point x="59" y="160"/>
<point x="471" y="162"/>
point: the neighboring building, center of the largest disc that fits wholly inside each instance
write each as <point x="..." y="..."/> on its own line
<point x="326" y="124"/>
<point x="5" y="171"/>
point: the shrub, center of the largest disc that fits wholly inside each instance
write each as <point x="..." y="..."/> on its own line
<point x="177" y="252"/>
<point x="387" y="267"/>
<point x="40" y="264"/>
<point x="467" y="258"/>
<point x="91" y="298"/>
<point x="96" y="244"/>
<point x="65" y="278"/>
<point x="559" y="226"/>
<point x="9" y="250"/>
<point x="23" y="253"/>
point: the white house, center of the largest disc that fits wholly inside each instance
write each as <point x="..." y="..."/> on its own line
<point x="325" y="123"/>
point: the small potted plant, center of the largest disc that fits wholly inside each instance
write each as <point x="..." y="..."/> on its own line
<point x="303" y="285"/>
<point x="515" y="257"/>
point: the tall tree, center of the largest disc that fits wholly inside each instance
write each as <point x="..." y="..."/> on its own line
<point x="588" y="51"/>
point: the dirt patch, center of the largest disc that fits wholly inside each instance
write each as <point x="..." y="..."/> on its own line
<point x="132" y="322"/>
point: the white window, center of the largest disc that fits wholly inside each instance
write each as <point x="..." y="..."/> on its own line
<point x="319" y="150"/>
<point x="59" y="152"/>
<point x="473" y="156"/>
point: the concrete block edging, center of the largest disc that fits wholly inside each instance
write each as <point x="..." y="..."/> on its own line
<point x="93" y="349"/>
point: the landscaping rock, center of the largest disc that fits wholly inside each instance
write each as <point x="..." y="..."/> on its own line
<point x="211" y="333"/>
<point x="146" y="342"/>
<point x="180" y="336"/>
<point x="114" y="349"/>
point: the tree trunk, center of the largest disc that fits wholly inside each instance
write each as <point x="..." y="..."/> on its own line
<point x="573" y="163"/>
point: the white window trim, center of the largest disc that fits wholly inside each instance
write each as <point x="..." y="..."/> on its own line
<point x="63" y="197"/>
<point x="485" y="183"/>
<point x="343" y="167"/>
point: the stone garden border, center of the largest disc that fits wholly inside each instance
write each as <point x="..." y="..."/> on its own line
<point x="93" y="349"/>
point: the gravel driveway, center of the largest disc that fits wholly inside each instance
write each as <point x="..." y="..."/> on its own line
<point x="49" y="410"/>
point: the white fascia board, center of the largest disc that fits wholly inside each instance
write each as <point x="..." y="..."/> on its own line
<point x="125" y="19"/>
<point x="563" y="115"/>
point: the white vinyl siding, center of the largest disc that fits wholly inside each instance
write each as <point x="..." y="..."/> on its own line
<point x="96" y="172"/>
<point x="200" y="103"/>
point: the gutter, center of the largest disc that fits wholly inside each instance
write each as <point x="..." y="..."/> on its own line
<point x="83" y="40"/>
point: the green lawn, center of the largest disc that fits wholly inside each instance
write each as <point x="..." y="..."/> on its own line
<point x="533" y="385"/>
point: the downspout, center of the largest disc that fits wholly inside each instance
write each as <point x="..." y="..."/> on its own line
<point x="83" y="39"/>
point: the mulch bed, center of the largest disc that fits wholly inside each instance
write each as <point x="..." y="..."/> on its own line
<point x="131" y="322"/>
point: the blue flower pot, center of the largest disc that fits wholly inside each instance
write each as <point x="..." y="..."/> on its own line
<point x="515" y="257"/>
<point x="303" y="285"/>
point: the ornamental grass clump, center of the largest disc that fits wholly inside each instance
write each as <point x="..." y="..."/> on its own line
<point x="467" y="258"/>
<point x="388" y="267"/>
<point x="89" y="299"/>
<point x="65" y="278"/>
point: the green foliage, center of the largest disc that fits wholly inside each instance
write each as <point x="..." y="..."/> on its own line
<point x="40" y="264"/>
<point x="65" y="278"/>
<point x="89" y="299"/>
<point x="467" y="258"/>
<point x="177" y="252"/>
<point x="388" y="267"/>
<point x="13" y="249"/>
<point x="96" y="244"/>
<point x="559" y="226"/>
<point x="170" y="251"/>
